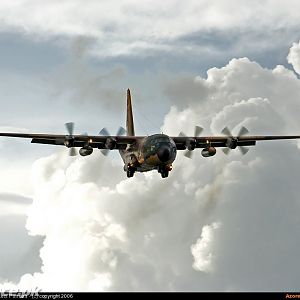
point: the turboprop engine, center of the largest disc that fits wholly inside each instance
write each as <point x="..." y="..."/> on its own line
<point x="207" y="152"/>
<point x="86" y="151"/>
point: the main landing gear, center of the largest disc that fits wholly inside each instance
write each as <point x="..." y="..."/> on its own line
<point x="164" y="171"/>
<point x="130" y="171"/>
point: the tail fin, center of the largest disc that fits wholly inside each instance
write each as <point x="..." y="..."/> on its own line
<point x="129" y="121"/>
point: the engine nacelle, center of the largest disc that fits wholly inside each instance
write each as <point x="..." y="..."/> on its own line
<point x="69" y="142"/>
<point x="231" y="143"/>
<point x="110" y="144"/>
<point x="191" y="145"/>
<point x="208" y="152"/>
<point x="86" y="151"/>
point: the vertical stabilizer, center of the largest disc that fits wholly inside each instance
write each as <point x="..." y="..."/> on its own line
<point x="129" y="121"/>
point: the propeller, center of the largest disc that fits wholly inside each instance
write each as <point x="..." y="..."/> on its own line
<point x="70" y="139"/>
<point x="232" y="142"/>
<point x="110" y="142"/>
<point x="191" y="143"/>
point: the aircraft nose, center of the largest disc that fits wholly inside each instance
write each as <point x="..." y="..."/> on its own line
<point x="164" y="153"/>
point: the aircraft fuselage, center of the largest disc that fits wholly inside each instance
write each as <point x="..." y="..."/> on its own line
<point x="154" y="152"/>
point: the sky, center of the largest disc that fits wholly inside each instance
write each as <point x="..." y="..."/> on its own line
<point x="226" y="223"/>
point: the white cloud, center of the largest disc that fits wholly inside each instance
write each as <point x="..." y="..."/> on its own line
<point x="104" y="230"/>
<point x="294" y="57"/>
<point x="201" y="250"/>
<point x="135" y="27"/>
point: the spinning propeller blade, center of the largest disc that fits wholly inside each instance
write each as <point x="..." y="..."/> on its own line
<point x="197" y="132"/>
<point x="243" y="131"/>
<point x="104" y="132"/>
<point x="70" y="130"/>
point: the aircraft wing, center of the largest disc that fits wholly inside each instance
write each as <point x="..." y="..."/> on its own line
<point x="225" y="141"/>
<point x="182" y="142"/>
<point x="94" y="141"/>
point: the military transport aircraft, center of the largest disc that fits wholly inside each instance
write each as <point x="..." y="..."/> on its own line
<point x="146" y="153"/>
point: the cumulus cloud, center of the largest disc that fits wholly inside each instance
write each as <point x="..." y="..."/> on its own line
<point x="106" y="232"/>
<point x="294" y="57"/>
<point x="201" y="251"/>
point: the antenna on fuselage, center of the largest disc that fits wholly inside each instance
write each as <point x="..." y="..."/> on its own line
<point x="129" y="119"/>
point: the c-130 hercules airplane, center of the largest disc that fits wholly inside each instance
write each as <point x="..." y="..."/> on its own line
<point x="146" y="153"/>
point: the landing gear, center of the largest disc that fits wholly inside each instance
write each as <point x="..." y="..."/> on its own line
<point x="130" y="170"/>
<point x="130" y="173"/>
<point x="164" y="171"/>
